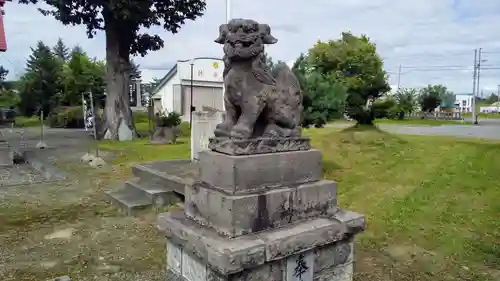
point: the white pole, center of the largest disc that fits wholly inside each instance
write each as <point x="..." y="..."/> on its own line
<point x="228" y="10"/>
<point x="473" y="101"/>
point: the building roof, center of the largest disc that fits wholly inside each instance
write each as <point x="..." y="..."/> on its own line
<point x="173" y="71"/>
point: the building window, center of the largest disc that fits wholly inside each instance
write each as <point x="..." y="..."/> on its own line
<point x="464" y="103"/>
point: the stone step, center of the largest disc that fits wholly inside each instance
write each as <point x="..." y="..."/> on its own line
<point x="157" y="194"/>
<point x="159" y="178"/>
<point x="129" y="201"/>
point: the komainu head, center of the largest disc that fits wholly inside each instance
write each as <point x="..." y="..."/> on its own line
<point x="244" y="39"/>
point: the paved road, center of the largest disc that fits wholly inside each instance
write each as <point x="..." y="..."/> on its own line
<point x="486" y="121"/>
<point x="467" y="131"/>
<point x="487" y="129"/>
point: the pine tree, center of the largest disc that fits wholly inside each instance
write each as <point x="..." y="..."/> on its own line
<point x="77" y="50"/>
<point x="135" y="72"/>
<point x="40" y="84"/>
<point x="61" y="51"/>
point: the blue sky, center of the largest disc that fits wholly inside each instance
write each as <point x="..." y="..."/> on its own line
<point x="433" y="40"/>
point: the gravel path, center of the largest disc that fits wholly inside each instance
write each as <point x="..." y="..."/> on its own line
<point x="19" y="174"/>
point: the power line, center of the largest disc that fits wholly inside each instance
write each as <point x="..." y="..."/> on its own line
<point x="442" y="69"/>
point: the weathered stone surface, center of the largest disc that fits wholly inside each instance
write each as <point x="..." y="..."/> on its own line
<point x="258" y="145"/>
<point x="235" y="215"/>
<point x="165" y="135"/>
<point x="257" y="103"/>
<point x="124" y="132"/>
<point x="330" y="262"/>
<point x="174" y="258"/>
<point x="6" y="157"/>
<point x="339" y="273"/>
<point x="229" y="256"/>
<point x="224" y="255"/>
<point x="191" y="268"/>
<point x="252" y="173"/>
<point x="292" y="239"/>
<point x="333" y="255"/>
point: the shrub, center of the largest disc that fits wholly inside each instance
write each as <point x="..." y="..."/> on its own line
<point x="172" y="119"/>
<point x="66" y="117"/>
<point x="386" y="108"/>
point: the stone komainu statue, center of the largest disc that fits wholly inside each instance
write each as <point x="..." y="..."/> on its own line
<point x="257" y="103"/>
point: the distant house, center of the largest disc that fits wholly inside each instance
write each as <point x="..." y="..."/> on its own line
<point x="174" y="91"/>
<point x="463" y="102"/>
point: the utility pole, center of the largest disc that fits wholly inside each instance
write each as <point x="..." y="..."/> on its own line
<point x="399" y="76"/>
<point x="228" y="10"/>
<point x="478" y="69"/>
<point x="473" y="101"/>
<point x="479" y="61"/>
<point x="498" y="99"/>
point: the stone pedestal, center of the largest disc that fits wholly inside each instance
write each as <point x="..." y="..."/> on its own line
<point x="265" y="216"/>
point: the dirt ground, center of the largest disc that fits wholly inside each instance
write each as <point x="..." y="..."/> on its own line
<point x="68" y="228"/>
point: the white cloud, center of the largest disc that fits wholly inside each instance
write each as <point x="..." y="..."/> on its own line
<point x="412" y="33"/>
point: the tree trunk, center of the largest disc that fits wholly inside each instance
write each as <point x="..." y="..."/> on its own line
<point x="117" y="121"/>
<point x="365" y="117"/>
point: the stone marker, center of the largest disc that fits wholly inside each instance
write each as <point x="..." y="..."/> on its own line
<point x="260" y="209"/>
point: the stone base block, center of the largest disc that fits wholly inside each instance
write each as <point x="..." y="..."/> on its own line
<point x="252" y="173"/>
<point x="314" y="248"/>
<point x="235" y="215"/>
<point x="258" y="145"/>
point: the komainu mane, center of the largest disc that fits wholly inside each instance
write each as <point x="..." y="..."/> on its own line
<point x="257" y="103"/>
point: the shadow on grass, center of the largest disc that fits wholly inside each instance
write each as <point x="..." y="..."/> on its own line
<point x="330" y="166"/>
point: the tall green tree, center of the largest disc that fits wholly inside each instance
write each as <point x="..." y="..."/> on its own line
<point x="8" y="97"/>
<point x="40" y="85"/>
<point x="78" y="50"/>
<point x="123" y="23"/>
<point x="432" y="96"/>
<point x="352" y="62"/>
<point x="135" y="72"/>
<point x="406" y="100"/>
<point x="492" y="98"/>
<point x="323" y="99"/>
<point x="83" y="75"/>
<point x="271" y="64"/>
<point x="61" y="50"/>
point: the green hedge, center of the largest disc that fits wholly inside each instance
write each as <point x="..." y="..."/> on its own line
<point x="66" y="117"/>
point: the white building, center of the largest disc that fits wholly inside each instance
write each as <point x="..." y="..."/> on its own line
<point x="206" y="85"/>
<point x="463" y="102"/>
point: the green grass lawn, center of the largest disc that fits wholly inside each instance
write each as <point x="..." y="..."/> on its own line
<point x="141" y="150"/>
<point x="426" y="122"/>
<point x="432" y="203"/>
